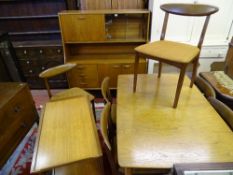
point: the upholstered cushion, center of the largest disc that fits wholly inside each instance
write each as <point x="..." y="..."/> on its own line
<point x="169" y="50"/>
<point x="72" y="92"/>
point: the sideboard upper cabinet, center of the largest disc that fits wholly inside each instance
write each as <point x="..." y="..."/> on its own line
<point x="102" y="42"/>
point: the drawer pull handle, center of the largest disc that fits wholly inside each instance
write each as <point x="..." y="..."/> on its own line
<point x="25" y="52"/>
<point x="126" y="66"/>
<point x="42" y="68"/>
<point x="58" y="50"/>
<point x="82" y="75"/>
<point x="23" y="124"/>
<point x="28" y="62"/>
<point x="30" y="71"/>
<point x="80" y="67"/>
<point x="116" y="66"/>
<point x="81" y="17"/>
<point x="17" y="109"/>
<point x="41" y="51"/>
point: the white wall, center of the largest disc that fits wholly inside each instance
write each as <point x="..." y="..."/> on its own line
<point x="187" y="29"/>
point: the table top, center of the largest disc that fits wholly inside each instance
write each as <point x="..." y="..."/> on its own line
<point x="152" y="134"/>
<point x="209" y="76"/>
<point x="67" y="133"/>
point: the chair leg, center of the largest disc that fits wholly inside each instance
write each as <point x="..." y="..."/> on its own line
<point x="135" y="72"/>
<point x="160" y="69"/>
<point x="194" y="73"/>
<point x="128" y="171"/>
<point x="47" y="87"/>
<point x="93" y="108"/>
<point x="179" y="86"/>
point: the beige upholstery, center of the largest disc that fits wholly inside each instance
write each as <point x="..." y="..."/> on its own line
<point x="169" y="50"/>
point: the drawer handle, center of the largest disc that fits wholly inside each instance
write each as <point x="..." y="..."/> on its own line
<point x="81" y="17"/>
<point x="17" y="109"/>
<point x="80" y="67"/>
<point x="28" y="62"/>
<point x="126" y="66"/>
<point x="23" y="125"/>
<point x="83" y="83"/>
<point x="116" y="66"/>
<point x="42" y="68"/>
<point x="58" y="50"/>
<point x="30" y="71"/>
<point x="25" y="52"/>
<point x="82" y="75"/>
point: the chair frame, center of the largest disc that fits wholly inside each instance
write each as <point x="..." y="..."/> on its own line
<point x="179" y="9"/>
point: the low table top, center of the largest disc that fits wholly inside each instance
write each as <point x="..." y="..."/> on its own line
<point x="67" y="133"/>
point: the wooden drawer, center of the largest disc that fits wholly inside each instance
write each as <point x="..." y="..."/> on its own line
<point x="17" y="115"/>
<point x="85" y="76"/>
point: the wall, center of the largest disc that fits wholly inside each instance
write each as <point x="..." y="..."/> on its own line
<point x="187" y="29"/>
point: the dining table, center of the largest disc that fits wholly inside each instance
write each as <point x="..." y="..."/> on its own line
<point x="153" y="135"/>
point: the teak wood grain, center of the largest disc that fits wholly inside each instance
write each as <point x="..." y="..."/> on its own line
<point x="151" y="134"/>
<point x="67" y="134"/>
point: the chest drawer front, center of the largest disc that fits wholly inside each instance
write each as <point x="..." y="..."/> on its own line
<point x="85" y="76"/>
<point x="16" y="118"/>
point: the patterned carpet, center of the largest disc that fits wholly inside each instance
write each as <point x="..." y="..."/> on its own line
<point x="20" y="161"/>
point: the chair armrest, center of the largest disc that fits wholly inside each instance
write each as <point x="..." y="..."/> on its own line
<point x="56" y="70"/>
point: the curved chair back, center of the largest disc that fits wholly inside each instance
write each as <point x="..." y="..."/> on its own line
<point x="105" y="129"/>
<point x="205" y="87"/>
<point x="224" y="111"/>
<point x="105" y="90"/>
<point x="53" y="71"/>
<point x="188" y="10"/>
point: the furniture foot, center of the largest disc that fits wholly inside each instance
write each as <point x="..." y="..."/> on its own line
<point x="128" y="171"/>
<point x="135" y="72"/>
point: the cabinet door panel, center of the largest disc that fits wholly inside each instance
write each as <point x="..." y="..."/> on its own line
<point x="129" y="4"/>
<point x="79" y="27"/>
<point x="94" y="5"/>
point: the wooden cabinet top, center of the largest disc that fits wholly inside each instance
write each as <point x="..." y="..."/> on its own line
<point x="124" y="11"/>
<point x="8" y="91"/>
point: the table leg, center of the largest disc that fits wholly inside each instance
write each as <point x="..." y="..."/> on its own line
<point x="128" y="171"/>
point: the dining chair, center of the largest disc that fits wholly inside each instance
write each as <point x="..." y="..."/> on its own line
<point x="105" y="90"/>
<point x="175" y="53"/>
<point x="205" y="87"/>
<point x="71" y="92"/>
<point x="110" y="145"/>
<point x="224" y="111"/>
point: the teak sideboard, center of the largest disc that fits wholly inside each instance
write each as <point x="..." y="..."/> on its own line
<point x="101" y="43"/>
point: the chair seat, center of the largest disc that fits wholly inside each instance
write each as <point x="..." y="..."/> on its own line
<point x="72" y="92"/>
<point x="170" y="51"/>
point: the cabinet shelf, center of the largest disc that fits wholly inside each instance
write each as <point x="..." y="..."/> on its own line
<point x="28" y="17"/>
<point x="109" y="41"/>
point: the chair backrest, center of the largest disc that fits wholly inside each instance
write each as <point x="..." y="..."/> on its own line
<point x="224" y="111"/>
<point x="54" y="71"/>
<point x="105" y="90"/>
<point x="205" y="87"/>
<point x="188" y="10"/>
<point x="9" y="59"/>
<point x="105" y="129"/>
<point x="229" y="60"/>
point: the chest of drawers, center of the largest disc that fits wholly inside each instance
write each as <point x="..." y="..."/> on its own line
<point x="17" y="115"/>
